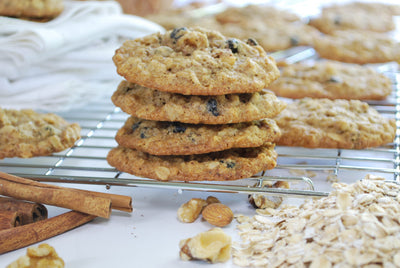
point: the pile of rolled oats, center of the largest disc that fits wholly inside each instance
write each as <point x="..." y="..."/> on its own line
<point x="357" y="225"/>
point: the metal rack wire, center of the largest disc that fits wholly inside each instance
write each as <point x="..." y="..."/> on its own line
<point x="86" y="162"/>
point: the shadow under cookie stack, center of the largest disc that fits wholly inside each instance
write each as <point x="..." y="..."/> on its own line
<point x="198" y="105"/>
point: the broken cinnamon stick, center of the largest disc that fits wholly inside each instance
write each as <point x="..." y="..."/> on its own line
<point x="25" y="189"/>
<point x="9" y="219"/>
<point x="30" y="212"/>
<point x="25" y="235"/>
<point x="119" y="202"/>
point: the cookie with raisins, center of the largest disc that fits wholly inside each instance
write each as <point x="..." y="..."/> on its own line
<point x="195" y="61"/>
<point x="355" y="16"/>
<point x="263" y="13"/>
<point x="272" y="35"/>
<point x="174" y="138"/>
<point x="324" y="123"/>
<point x="359" y="47"/>
<point x="225" y="165"/>
<point x="158" y="105"/>
<point x="26" y="133"/>
<point x="332" y="80"/>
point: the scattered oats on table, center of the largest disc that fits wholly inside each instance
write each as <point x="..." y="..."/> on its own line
<point x="355" y="226"/>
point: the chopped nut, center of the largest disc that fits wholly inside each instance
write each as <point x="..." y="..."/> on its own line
<point x="212" y="246"/>
<point x="211" y="199"/>
<point x="189" y="211"/>
<point x="265" y="201"/>
<point x="42" y="256"/>
<point x="218" y="214"/>
<point x="281" y="184"/>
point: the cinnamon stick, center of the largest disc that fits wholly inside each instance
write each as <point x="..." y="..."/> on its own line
<point x="119" y="202"/>
<point x="25" y="235"/>
<point x="25" y="189"/>
<point x="9" y="219"/>
<point x="30" y="212"/>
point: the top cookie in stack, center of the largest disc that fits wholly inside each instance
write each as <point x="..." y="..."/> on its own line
<point x="195" y="62"/>
<point x="198" y="107"/>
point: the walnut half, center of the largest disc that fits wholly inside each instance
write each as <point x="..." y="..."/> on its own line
<point x="212" y="246"/>
<point x="42" y="256"/>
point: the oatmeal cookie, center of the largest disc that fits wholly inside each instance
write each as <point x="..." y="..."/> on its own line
<point x="195" y="61"/>
<point x="393" y="9"/>
<point x="332" y="80"/>
<point x="174" y="138"/>
<point x="157" y="105"/>
<point x="177" y="18"/>
<point x="31" y="8"/>
<point x="231" y="164"/>
<point x="261" y="13"/>
<point x="324" y="123"/>
<point x="273" y="35"/>
<point x="25" y="133"/>
<point x="358" y="47"/>
<point x="354" y="16"/>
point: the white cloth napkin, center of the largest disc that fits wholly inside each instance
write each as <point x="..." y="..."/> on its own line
<point x="67" y="61"/>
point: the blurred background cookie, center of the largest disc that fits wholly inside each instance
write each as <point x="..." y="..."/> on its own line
<point x="332" y="80"/>
<point x="324" y="123"/>
<point x="31" y="9"/>
<point x="355" y="15"/>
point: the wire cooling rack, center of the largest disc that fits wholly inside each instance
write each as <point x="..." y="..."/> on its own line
<point x="86" y="162"/>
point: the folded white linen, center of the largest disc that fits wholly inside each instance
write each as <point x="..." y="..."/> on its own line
<point x="52" y="93"/>
<point x="66" y="58"/>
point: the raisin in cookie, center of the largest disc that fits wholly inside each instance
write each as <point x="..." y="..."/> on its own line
<point x="332" y="80"/>
<point x="26" y="133"/>
<point x="324" y="123"/>
<point x="358" y="47"/>
<point x="174" y="138"/>
<point x="195" y="61"/>
<point x="231" y="164"/>
<point x="157" y="105"/>
<point x="35" y="9"/>
<point x="353" y="16"/>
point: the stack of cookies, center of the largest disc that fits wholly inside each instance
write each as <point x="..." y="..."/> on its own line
<point x="198" y="105"/>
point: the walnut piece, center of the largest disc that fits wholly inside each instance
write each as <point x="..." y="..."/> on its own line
<point x="42" y="256"/>
<point x="191" y="210"/>
<point x="212" y="246"/>
<point x="211" y="199"/>
<point x="268" y="201"/>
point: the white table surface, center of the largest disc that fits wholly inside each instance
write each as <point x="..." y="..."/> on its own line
<point x="147" y="237"/>
<point x="150" y="235"/>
